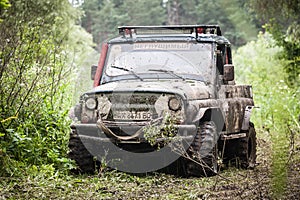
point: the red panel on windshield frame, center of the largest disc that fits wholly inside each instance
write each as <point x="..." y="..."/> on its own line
<point x="101" y="62"/>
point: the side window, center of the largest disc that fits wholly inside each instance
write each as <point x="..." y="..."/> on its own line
<point x="223" y="58"/>
<point x="228" y="57"/>
<point x="220" y="58"/>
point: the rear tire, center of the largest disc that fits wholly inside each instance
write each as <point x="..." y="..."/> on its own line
<point x="247" y="149"/>
<point x="241" y="152"/>
<point x="203" y="151"/>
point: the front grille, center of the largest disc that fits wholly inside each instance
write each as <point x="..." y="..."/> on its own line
<point x="132" y="106"/>
<point x="125" y="113"/>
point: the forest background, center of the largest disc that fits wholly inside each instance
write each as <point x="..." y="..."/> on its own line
<point x="47" y="48"/>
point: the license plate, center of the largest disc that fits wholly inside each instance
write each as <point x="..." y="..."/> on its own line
<point x="132" y="115"/>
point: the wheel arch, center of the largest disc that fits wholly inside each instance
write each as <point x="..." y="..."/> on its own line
<point x="211" y="114"/>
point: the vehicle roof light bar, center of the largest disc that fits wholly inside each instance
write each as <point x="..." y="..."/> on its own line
<point x="132" y="31"/>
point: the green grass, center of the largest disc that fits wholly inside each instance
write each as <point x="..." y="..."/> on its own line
<point x="118" y="185"/>
<point x="279" y="164"/>
<point x="46" y="183"/>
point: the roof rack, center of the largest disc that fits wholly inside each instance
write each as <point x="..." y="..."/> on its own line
<point x="131" y="31"/>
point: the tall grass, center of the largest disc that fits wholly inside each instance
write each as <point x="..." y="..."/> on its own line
<point x="259" y="64"/>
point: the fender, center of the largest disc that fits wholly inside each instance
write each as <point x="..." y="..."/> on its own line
<point x="211" y="114"/>
<point x="200" y="114"/>
<point x="246" y="120"/>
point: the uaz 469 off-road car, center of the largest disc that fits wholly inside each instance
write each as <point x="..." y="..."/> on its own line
<point x="163" y="94"/>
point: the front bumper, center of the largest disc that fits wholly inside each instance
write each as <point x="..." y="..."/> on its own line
<point x="134" y="155"/>
<point x="95" y="133"/>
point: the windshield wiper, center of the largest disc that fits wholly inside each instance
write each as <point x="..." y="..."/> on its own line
<point x="168" y="72"/>
<point x="127" y="70"/>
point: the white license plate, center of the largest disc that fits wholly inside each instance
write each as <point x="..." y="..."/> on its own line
<point x="127" y="115"/>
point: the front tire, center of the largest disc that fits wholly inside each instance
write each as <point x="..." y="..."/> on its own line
<point x="203" y="151"/>
<point x="80" y="155"/>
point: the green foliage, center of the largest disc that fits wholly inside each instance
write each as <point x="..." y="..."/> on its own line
<point x="212" y="12"/>
<point x="244" y="28"/>
<point x="142" y="12"/>
<point x="164" y="131"/>
<point x="259" y="64"/>
<point x="282" y="21"/>
<point x="102" y="17"/>
<point x="40" y="140"/>
<point x="83" y="54"/>
<point x="4" y="5"/>
<point x="37" y="52"/>
<point x="281" y="13"/>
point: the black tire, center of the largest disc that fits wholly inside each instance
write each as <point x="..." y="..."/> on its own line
<point x="80" y="155"/>
<point x="203" y="151"/>
<point x="247" y="149"/>
<point x="241" y="153"/>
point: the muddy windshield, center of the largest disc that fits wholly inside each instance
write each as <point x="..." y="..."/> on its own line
<point x="148" y="58"/>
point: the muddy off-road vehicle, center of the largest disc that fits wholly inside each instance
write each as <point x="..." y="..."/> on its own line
<point x="164" y="95"/>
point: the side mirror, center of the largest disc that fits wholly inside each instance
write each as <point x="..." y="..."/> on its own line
<point x="93" y="71"/>
<point x="228" y="72"/>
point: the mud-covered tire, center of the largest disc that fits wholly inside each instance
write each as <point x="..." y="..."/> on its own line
<point x="204" y="151"/>
<point x="247" y="149"/>
<point x="241" y="153"/>
<point x="82" y="157"/>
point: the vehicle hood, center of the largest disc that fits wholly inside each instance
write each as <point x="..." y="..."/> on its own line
<point x="187" y="89"/>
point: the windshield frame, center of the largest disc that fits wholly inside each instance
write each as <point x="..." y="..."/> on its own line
<point x="163" y="74"/>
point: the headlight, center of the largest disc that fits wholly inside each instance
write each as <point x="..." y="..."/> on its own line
<point x="91" y="103"/>
<point x="174" y="104"/>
